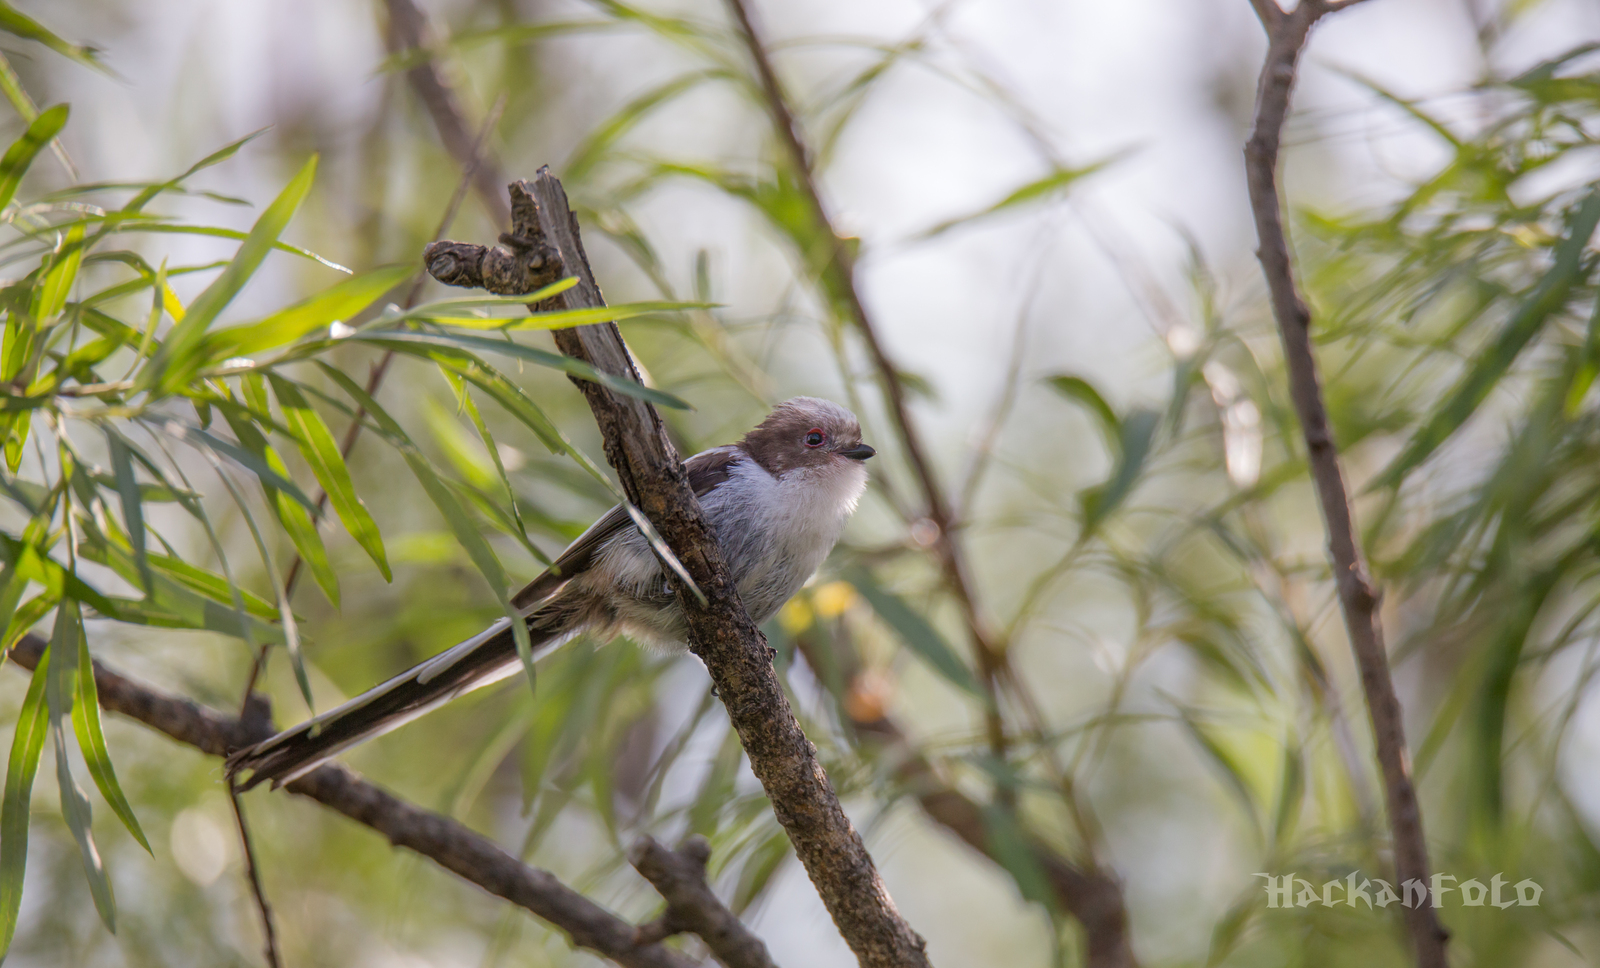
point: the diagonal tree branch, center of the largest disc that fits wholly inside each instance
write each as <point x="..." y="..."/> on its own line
<point x="1359" y="599"/>
<point x="452" y="846"/>
<point x="720" y="631"/>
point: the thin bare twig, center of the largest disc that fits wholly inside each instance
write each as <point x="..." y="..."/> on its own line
<point x="451" y="845"/>
<point x="1358" y="597"/>
<point x="408" y="31"/>
<point x="679" y="876"/>
<point x="269" y="929"/>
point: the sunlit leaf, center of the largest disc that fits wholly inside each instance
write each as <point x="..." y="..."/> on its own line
<point x="1079" y="390"/>
<point x="322" y="453"/>
<point x="559" y="361"/>
<point x="22" y="152"/>
<point x="179" y="354"/>
<point x="335" y="304"/>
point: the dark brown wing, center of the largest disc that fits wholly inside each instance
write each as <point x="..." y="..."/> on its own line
<point x="706" y="469"/>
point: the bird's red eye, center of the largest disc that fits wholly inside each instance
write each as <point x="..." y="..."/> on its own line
<point x="815" y="437"/>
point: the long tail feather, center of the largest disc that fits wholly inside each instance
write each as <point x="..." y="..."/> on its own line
<point x="487" y="657"/>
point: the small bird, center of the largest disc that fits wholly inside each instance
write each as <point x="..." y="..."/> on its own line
<point x="777" y="502"/>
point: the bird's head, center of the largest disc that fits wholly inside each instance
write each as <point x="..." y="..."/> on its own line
<point x="807" y="433"/>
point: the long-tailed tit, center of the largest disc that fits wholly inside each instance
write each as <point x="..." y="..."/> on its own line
<point x="777" y="502"/>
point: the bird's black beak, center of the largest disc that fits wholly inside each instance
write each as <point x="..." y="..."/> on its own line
<point x="858" y="452"/>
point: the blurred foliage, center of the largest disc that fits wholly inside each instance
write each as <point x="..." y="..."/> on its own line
<point x="1171" y="640"/>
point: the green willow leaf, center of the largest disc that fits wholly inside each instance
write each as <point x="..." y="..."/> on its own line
<point x="19" y="24"/>
<point x="1079" y="390"/>
<point x="271" y="474"/>
<point x="22" y="152"/>
<point x="51" y="296"/>
<point x="449" y="315"/>
<point x="1136" y="438"/>
<point x="92" y="742"/>
<point x="132" y="503"/>
<point x="294" y="519"/>
<point x="27" y="743"/>
<point x="1547" y="297"/>
<point x="1039" y="190"/>
<point x="179" y="355"/>
<point x="335" y="304"/>
<point x="318" y="448"/>
<point x="558" y="361"/>
<point x="154" y="190"/>
<point x="60" y="690"/>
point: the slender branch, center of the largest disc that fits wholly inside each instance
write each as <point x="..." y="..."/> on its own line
<point x="546" y="242"/>
<point x="989" y="654"/>
<point x="456" y="848"/>
<point x="1358" y="597"/>
<point x="269" y="929"/>
<point x="408" y="31"/>
<point x="679" y="876"/>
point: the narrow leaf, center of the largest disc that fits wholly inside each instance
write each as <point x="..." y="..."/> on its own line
<point x="178" y="354"/>
<point x="258" y="464"/>
<point x="559" y="361"/>
<point x="1547" y="297"/>
<point x="1137" y="435"/>
<point x="19" y="24"/>
<point x="132" y="504"/>
<point x="26" y="746"/>
<point x="1038" y="190"/>
<point x="335" y="304"/>
<point x="22" y="152"/>
<point x="92" y="742"/>
<point x="1079" y="390"/>
<point x="295" y="520"/>
<point x="60" y="690"/>
<point x="919" y="636"/>
<point x="318" y="448"/>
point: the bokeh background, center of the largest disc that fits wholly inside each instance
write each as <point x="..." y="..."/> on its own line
<point x="1184" y="708"/>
